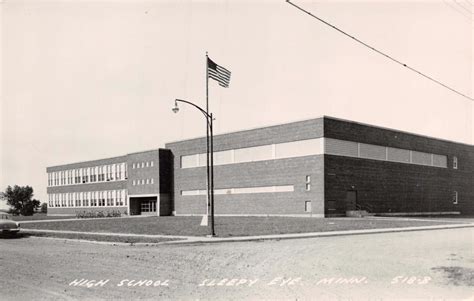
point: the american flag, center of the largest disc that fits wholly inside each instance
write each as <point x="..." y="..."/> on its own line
<point x="218" y="73"/>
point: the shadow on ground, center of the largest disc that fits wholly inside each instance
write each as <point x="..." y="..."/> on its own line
<point x="14" y="235"/>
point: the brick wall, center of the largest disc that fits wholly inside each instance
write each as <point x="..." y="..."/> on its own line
<point x="398" y="187"/>
<point x="290" y="171"/>
<point x="143" y="173"/>
<point x="98" y="186"/>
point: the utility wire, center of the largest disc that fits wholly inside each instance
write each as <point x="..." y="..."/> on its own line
<point x="380" y="52"/>
<point x="463" y="7"/>
<point x="461" y="12"/>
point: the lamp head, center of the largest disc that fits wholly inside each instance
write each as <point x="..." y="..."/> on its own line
<point x="176" y="108"/>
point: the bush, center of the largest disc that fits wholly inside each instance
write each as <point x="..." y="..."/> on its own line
<point x="44" y="208"/>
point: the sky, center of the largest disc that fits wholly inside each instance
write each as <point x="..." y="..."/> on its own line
<point x="84" y="80"/>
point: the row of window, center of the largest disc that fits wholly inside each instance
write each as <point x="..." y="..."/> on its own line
<point x="103" y="173"/>
<point x="109" y="198"/>
<point x="142" y="164"/>
<point x="241" y="190"/>
<point x="258" y="153"/>
<point x="143" y="182"/>
<point x="383" y="153"/>
<point x="318" y="146"/>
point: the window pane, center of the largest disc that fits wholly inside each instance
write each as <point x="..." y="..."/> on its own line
<point x="421" y="158"/>
<point x="249" y="154"/>
<point x="398" y="155"/>
<point x="370" y="151"/>
<point x="341" y="148"/>
<point x="223" y="157"/>
<point x="189" y="161"/>
<point x="298" y="148"/>
<point x="440" y="161"/>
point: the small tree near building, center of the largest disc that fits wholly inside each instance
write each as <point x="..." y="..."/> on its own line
<point x="21" y="200"/>
<point x="44" y="208"/>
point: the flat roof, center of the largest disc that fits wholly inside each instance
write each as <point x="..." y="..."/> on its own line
<point x="327" y="117"/>
<point x="104" y="159"/>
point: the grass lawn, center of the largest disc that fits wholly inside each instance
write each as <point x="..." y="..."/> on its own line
<point x="39" y="216"/>
<point x="105" y="238"/>
<point x="226" y="226"/>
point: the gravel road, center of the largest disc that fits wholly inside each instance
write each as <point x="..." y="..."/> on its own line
<point x="426" y="265"/>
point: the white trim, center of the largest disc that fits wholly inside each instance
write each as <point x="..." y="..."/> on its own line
<point x="142" y="195"/>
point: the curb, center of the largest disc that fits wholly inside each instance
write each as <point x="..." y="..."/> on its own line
<point x="192" y="240"/>
<point x="77" y="219"/>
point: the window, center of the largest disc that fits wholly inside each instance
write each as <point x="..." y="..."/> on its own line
<point x="118" y="171"/>
<point x="298" y="148"/>
<point x="78" y="199"/>
<point x="112" y="172"/>
<point x="420" y="158"/>
<point x="257" y="153"/>
<point x="455" y="162"/>
<point x="86" y="175"/>
<point x="102" y="198"/>
<point x="134" y="183"/>
<point x="85" y="201"/>
<point x="455" y="197"/>
<point x="133" y="166"/>
<point x="307" y="206"/>
<point x="143" y="164"/>
<point x="308" y="183"/>
<point x="94" y="199"/>
<point x="440" y="161"/>
<point x="109" y="198"/>
<point x="341" y="148"/>
<point x="151" y="163"/>
<point x="147" y="181"/>
<point x="147" y="164"/>
<point x="151" y="180"/>
<point x="241" y="190"/>
<point x="374" y="152"/>
<point x="221" y="158"/>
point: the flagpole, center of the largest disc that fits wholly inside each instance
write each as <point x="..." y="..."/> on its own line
<point x="207" y="142"/>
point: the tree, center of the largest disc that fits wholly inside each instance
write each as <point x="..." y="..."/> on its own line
<point x="44" y="208"/>
<point x="21" y="200"/>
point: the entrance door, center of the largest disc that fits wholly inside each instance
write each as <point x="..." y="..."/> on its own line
<point x="148" y="207"/>
<point x="351" y="200"/>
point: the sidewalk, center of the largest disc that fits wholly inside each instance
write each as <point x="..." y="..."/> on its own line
<point x="201" y="239"/>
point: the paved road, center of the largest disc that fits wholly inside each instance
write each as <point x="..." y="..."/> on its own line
<point x="426" y="265"/>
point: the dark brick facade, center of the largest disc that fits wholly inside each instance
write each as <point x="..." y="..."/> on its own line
<point x="388" y="187"/>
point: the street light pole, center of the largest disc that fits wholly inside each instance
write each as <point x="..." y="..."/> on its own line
<point x="213" y="232"/>
<point x="210" y="144"/>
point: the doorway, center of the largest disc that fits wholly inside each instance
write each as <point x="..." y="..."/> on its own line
<point x="351" y="200"/>
<point x="143" y="206"/>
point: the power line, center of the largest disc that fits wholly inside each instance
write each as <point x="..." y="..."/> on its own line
<point x="380" y="52"/>
<point x="458" y="11"/>
<point x="463" y="7"/>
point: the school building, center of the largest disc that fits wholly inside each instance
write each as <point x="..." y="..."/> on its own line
<point x="319" y="167"/>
